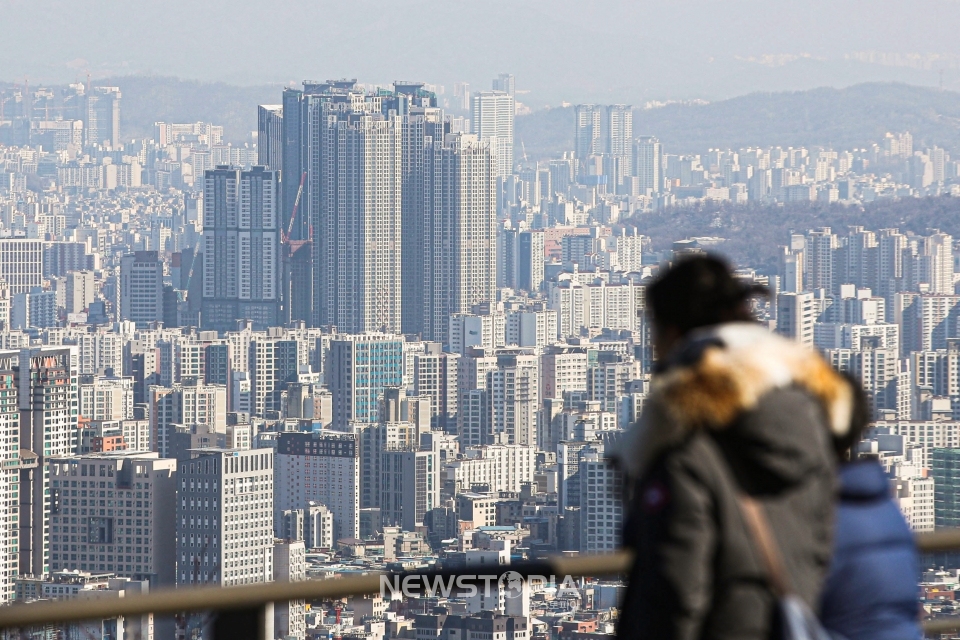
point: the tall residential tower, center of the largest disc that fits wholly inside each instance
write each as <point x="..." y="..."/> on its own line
<point x="241" y="247"/>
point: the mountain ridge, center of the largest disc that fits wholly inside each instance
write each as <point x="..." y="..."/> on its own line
<point x="840" y="118"/>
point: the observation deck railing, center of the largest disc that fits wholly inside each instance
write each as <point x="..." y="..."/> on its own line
<point x="241" y="609"/>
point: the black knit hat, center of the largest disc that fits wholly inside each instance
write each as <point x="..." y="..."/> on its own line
<point x="699" y="291"/>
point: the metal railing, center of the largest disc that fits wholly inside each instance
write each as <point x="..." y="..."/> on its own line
<point x="247" y="602"/>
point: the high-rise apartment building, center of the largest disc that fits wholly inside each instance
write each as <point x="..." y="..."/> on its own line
<point x="498" y="467"/>
<point x="224" y="517"/>
<point x="648" y="164"/>
<point x="514" y="397"/>
<point x="876" y="367"/>
<point x="588" y="135"/>
<point x="530" y="259"/>
<point x="129" y="533"/>
<point x="354" y="203"/>
<point x="890" y="245"/>
<point x="272" y="365"/>
<point x="563" y="369"/>
<point x="493" y="114"/>
<point x="936" y="319"/>
<point x="9" y="475"/>
<point x="21" y="264"/>
<point x="37" y="309"/>
<point x="359" y="368"/>
<point x="422" y="125"/>
<point x="619" y="135"/>
<point x="936" y="263"/>
<point x="270" y="138"/>
<point x="435" y="377"/>
<point x="945" y="468"/>
<point x="241" y="248"/>
<point x="520" y="259"/>
<point x="322" y="468"/>
<point x="821" y="260"/>
<point x="289" y="565"/>
<point x="46" y="381"/>
<point x="459" y="231"/>
<point x="505" y="82"/>
<point x="292" y="163"/>
<point x="601" y="504"/>
<point x="473" y="415"/>
<point x="796" y="317"/>
<point x="190" y="402"/>
<point x="859" y="259"/>
<point x="101" y="121"/>
<point x="587" y="140"/>
<point x="5" y="303"/>
<point x="141" y="288"/>
<point x="373" y="440"/>
<point x="409" y="487"/>
<point x="106" y="398"/>
<point x="81" y="291"/>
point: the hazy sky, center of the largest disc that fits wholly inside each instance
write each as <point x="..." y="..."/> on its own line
<point x="558" y="49"/>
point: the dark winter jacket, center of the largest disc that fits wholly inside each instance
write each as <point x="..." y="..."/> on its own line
<point x="736" y="409"/>
<point x="871" y="590"/>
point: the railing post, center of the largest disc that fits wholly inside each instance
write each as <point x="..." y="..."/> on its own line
<point x="254" y="623"/>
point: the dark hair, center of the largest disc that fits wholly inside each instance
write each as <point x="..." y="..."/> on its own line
<point x="699" y="291"/>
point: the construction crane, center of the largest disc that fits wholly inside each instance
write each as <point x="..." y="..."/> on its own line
<point x="286" y="248"/>
<point x="193" y="264"/>
<point x="285" y="237"/>
<point x="338" y="629"/>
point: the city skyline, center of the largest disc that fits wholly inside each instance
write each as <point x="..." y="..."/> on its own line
<point x="378" y="334"/>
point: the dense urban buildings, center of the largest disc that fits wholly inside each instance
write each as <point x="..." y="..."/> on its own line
<point x="381" y="336"/>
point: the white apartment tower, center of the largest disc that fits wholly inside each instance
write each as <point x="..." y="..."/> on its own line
<point x="648" y="164"/>
<point x="619" y="135"/>
<point x="796" y="317"/>
<point x="936" y="263"/>
<point x="500" y="467"/>
<point x="459" y="236"/>
<point x="354" y="199"/>
<point x="224" y="517"/>
<point x="514" y="397"/>
<point x="493" y="113"/>
<point x="820" y="255"/>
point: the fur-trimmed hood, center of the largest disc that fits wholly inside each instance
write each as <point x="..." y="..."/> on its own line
<point x="722" y="373"/>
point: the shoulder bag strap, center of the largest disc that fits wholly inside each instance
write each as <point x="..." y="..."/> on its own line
<point x="765" y="543"/>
